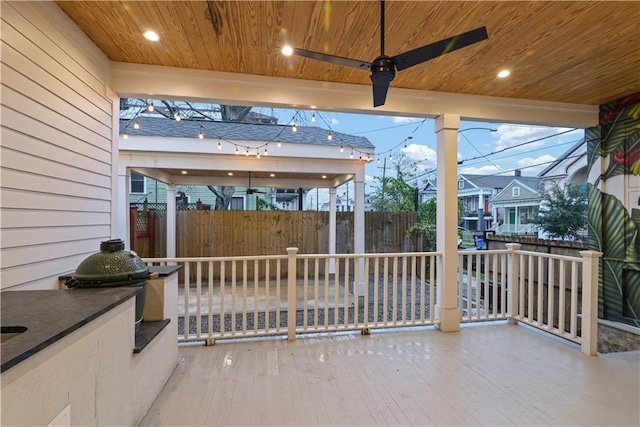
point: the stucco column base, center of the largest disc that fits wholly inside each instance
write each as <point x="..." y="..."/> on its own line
<point x="449" y="319"/>
<point x="512" y="321"/>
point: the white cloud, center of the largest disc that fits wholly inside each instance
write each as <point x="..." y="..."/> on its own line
<point x="334" y="121"/>
<point x="510" y="135"/>
<point x="422" y="155"/>
<point x="484" y="170"/>
<point x="402" y="120"/>
<point x="534" y="165"/>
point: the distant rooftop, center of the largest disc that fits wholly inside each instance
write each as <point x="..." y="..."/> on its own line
<point x="238" y="131"/>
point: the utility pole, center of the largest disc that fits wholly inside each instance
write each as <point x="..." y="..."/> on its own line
<point x="384" y="182"/>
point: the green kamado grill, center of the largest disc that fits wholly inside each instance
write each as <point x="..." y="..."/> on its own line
<point x="113" y="267"/>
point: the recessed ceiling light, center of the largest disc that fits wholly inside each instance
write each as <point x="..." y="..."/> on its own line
<point x="272" y="175"/>
<point x="504" y="73"/>
<point x="151" y="35"/>
<point x="230" y="173"/>
<point x="324" y="176"/>
<point x="184" y="172"/>
<point x="287" y="50"/>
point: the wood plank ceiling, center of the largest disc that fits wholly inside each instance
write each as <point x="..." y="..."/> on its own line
<point x="583" y="52"/>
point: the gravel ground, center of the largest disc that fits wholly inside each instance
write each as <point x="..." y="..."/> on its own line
<point x="250" y="320"/>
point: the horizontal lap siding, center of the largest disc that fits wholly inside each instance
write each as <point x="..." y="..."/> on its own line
<point x="56" y="154"/>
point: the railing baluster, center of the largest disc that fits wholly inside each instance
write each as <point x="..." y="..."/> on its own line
<point x="478" y="284"/>
<point x="356" y="291"/>
<point x="223" y="284"/>
<point x="327" y="268"/>
<point x="432" y="288"/>
<point x="278" y="296"/>
<point x="503" y="288"/>
<point x="461" y="259"/>
<point x="376" y="284"/>
<point x="267" y="295"/>
<point x="522" y="272"/>
<point x="561" y="297"/>
<point x="186" y="300"/>
<point x="198" y="299"/>
<point x="256" y="270"/>
<point x="366" y="293"/>
<point x="244" y="297"/>
<point x="234" y="278"/>
<point x="540" y="290"/>
<point x="210" y="300"/>
<point x="305" y="294"/>
<point x="494" y="281"/>
<point x="550" y="293"/>
<point x="414" y="295"/>
<point x="347" y="277"/>
<point x="423" y="288"/>
<point x="470" y="286"/>
<point x="316" y="285"/>
<point x="385" y="289"/>
<point x="336" y="291"/>
<point x="395" y="290"/>
<point x="530" y="289"/>
<point x="574" y="299"/>
<point x="404" y="290"/>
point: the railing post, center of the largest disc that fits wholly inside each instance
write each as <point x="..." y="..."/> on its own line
<point x="590" y="264"/>
<point x="291" y="293"/>
<point x="513" y="272"/>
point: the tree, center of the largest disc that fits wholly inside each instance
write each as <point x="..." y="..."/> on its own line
<point x="394" y="193"/>
<point x="563" y="212"/>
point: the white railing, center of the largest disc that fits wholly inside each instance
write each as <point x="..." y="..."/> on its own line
<point x="482" y="285"/>
<point x="231" y="297"/>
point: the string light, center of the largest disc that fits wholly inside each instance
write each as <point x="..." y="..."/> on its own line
<point x="279" y="144"/>
<point x="177" y="117"/>
<point x="247" y="153"/>
<point x="360" y="158"/>
<point x="136" y="125"/>
<point x="313" y="117"/>
<point x="150" y="107"/>
<point x="125" y="135"/>
<point x="201" y="133"/>
<point x="237" y="152"/>
<point x="378" y="159"/>
<point x="258" y="154"/>
<point x="341" y="148"/>
<point x="266" y="153"/>
<point x="294" y="128"/>
<point x="351" y="155"/>
<point x="219" y="145"/>
<point x="329" y="136"/>
<point x="390" y="157"/>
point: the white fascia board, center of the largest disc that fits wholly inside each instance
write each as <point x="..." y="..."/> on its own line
<point x="172" y="83"/>
<point x="158" y="144"/>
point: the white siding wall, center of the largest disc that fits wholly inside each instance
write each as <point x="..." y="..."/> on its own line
<point x="56" y="146"/>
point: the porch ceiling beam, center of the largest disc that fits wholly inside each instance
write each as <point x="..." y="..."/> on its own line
<point x="149" y="81"/>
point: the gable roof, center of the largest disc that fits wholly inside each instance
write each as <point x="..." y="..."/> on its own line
<point x="239" y="131"/>
<point x="530" y="185"/>
<point x="487" y="181"/>
<point x="562" y="158"/>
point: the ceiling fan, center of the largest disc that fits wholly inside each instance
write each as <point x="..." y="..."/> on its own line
<point x="252" y="190"/>
<point x="383" y="68"/>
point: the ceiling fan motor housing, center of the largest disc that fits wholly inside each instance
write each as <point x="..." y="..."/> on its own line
<point x="383" y="70"/>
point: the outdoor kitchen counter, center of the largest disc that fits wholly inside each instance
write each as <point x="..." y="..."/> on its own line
<point x="50" y="315"/>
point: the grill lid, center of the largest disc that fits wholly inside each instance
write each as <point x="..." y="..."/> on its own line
<point x="112" y="266"/>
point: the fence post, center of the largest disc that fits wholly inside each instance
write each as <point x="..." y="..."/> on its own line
<point x="513" y="272"/>
<point x="291" y="293"/>
<point x="590" y="264"/>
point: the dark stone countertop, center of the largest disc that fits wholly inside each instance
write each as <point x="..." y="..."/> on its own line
<point x="164" y="270"/>
<point x="50" y="315"/>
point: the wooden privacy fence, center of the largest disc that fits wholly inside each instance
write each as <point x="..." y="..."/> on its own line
<point x="256" y="233"/>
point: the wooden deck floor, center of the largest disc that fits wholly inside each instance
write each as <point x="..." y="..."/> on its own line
<point x="487" y="374"/>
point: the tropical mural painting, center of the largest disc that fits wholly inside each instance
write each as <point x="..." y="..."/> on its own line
<point x="613" y="151"/>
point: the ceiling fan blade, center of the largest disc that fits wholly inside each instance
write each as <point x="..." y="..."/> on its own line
<point x="380" y="89"/>
<point x="433" y="50"/>
<point x="363" y="65"/>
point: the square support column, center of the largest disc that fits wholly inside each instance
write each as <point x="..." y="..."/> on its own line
<point x="171" y="221"/>
<point x="358" y="226"/>
<point x="122" y="230"/>
<point x="447" y="311"/>
<point x="332" y="229"/>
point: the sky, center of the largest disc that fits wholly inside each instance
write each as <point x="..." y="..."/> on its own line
<point x="496" y="148"/>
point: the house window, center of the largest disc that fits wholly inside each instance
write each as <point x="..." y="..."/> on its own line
<point x="237" y="203"/>
<point x="136" y="184"/>
<point x="515" y="191"/>
<point x="460" y="184"/>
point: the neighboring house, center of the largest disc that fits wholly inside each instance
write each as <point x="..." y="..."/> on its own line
<point x="568" y="169"/>
<point x="516" y="205"/>
<point x="475" y="192"/>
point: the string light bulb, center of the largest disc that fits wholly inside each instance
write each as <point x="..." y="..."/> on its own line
<point x="247" y="153"/>
<point x="378" y="160"/>
<point x="125" y="135"/>
<point x="313" y="117"/>
<point x="258" y="154"/>
<point x="351" y="155"/>
<point x="341" y="148"/>
<point x="150" y="107"/>
<point x="201" y="133"/>
<point x="329" y="136"/>
<point x="177" y="117"/>
<point x="219" y="145"/>
<point x="266" y="153"/>
<point x="136" y="125"/>
<point x="390" y="157"/>
<point x="279" y="144"/>
<point x="294" y="128"/>
<point x="237" y="152"/>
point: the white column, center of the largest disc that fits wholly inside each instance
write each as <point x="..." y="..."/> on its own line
<point x="332" y="229"/>
<point x="447" y="311"/>
<point x="121" y="208"/>
<point x="358" y="226"/>
<point x="590" y="263"/>
<point x="116" y="189"/>
<point x="171" y="221"/>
